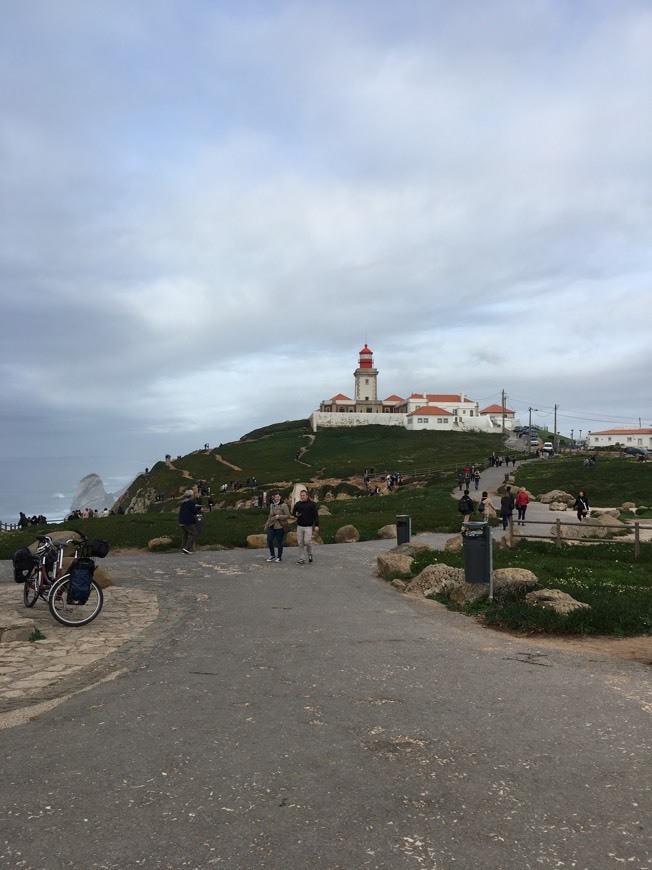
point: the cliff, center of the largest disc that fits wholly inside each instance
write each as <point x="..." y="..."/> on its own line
<point x="91" y="494"/>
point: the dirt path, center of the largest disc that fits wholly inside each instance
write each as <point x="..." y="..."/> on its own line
<point x="224" y="462"/>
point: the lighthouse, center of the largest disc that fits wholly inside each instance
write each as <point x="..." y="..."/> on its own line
<point x="366" y="383"/>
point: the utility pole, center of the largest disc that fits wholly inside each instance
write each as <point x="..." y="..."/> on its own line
<point x="554" y="438"/>
<point x="503" y="407"/>
<point x="572" y="442"/>
<point x="529" y="429"/>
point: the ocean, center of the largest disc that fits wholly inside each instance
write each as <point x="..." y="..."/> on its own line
<point x="46" y="485"/>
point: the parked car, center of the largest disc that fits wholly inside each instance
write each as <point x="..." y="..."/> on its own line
<point x="636" y="451"/>
<point x="548" y="447"/>
<point x="534" y="442"/>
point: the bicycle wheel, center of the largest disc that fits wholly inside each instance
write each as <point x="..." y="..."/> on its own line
<point x="31" y="588"/>
<point x="74" y="615"/>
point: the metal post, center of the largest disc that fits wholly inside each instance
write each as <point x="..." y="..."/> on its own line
<point x="637" y="540"/>
<point x="511" y="531"/>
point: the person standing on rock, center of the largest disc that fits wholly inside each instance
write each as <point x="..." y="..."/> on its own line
<point x="307" y="518"/>
<point x="277" y="526"/>
<point x="507" y="506"/>
<point x="188" y="522"/>
<point x="581" y="505"/>
<point x="521" y="501"/>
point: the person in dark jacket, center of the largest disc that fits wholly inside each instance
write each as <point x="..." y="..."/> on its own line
<point x="581" y="505"/>
<point x="307" y="518"/>
<point x="188" y="522"/>
<point x="507" y="506"/>
<point x="465" y="506"/>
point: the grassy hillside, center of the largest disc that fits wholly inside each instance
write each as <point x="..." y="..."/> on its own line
<point x="610" y="482"/>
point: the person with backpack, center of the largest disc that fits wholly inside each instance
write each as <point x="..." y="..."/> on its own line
<point x="465" y="506"/>
<point x="484" y="501"/>
<point x="521" y="501"/>
<point x="581" y="505"/>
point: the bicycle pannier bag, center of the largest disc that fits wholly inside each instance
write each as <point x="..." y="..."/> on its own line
<point x="79" y="585"/>
<point x="24" y="561"/>
<point x="100" y="548"/>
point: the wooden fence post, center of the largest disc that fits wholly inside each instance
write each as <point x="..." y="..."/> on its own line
<point x="637" y="540"/>
<point x="558" y="533"/>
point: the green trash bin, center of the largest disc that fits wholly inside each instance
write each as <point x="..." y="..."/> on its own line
<point x="476" y="552"/>
<point x="403" y="528"/>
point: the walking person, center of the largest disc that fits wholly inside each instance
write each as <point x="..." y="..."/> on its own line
<point x="484" y="501"/>
<point x="188" y="522"/>
<point x="476" y="479"/>
<point x="507" y="506"/>
<point x="277" y="526"/>
<point x="581" y="505"/>
<point x="307" y="518"/>
<point x="465" y="506"/>
<point x="521" y="501"/>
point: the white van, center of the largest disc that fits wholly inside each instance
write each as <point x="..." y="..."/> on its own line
<point x="548" y="448"/>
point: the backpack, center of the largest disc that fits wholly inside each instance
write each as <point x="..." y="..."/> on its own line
<point x="79" y="585"/>
<point x="100" y="548"/>
<point x="481" y="507"/>
<point x="465" y="505"/>
<point x="24" y="562"/>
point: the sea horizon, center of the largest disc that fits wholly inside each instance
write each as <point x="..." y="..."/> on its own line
<point x="47" y="485"/>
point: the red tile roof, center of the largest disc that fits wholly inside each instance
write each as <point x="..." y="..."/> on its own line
<point x="495" y="409"/>
<point x="393" y="399"/>
<point x="448" y="397"/>
<point x="430" y="411"/>
<point x="340" y="398"/>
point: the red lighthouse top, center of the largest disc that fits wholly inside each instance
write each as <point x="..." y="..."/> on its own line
<point x="366" y="358"/>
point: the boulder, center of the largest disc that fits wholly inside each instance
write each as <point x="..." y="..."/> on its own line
<point x="554" y="599"/>
<point x="557" y="506"/>
<point x="437" y="579"/>
<point x="347" y="535"/>
<point x="387" y="532"/>
<point x="411" y="549"/>
<point x="391" y="565"/>
<point x="454" y="544"/>
<point x="558" y="495"/>
<point x="513" y="576"/>
<point x="628" y="506"/>
<point x="323" y="511"/>
<point x="401" y="585"/>
<point x="468" y="592"/>
<point x="257" y="542"/>
<point x="159" y="543"/>
<point x="579" y="531"/>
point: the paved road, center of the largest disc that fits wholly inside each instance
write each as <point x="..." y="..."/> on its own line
<point x="283" y="716"/>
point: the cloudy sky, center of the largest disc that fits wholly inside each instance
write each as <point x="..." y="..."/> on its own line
<point x="207" y="207"/>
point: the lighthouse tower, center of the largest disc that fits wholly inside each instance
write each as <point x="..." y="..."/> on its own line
<point x="366" y="384"/>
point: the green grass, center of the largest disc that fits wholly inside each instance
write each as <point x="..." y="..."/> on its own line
<point x="618" y="589"/>
<point x="609" y="483"/>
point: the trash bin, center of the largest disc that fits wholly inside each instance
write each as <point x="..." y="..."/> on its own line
<point x="476" y="552"/>
<point x="403" y="528"/>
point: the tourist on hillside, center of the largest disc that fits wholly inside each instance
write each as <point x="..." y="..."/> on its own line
<point x="521" y="501"/>
<point x="188" y="522"/>
<point x="276" y="526"/>
<point x="507" y="506"/>
<point x="307" y="518"/>
<point x="581" y="505"/>
<point x="465" y="506"/>
<point x="476" y="479"/>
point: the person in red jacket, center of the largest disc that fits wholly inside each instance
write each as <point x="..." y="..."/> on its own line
<point x="522" y="501"/>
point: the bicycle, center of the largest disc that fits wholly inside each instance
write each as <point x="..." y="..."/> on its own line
<point x="68" y="604"/>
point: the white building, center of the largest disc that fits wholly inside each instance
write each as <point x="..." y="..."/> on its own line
<point x="623" y="437"/>
<point x="432" y="411"/>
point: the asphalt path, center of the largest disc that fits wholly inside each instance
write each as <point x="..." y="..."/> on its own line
<point x="287" y="716"/>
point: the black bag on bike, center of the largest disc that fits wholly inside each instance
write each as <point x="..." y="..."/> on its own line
<point x="100" y="548"/>
<point x="79" y="585"/>
<point x="24" y="563"/>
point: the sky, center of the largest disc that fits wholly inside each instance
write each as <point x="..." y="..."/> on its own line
<point x="208" y="207"/>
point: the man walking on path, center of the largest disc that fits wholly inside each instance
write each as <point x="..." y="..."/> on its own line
<point x="307" y="518"/>
<point x="465" y="506"/>
<point x="188" y="522"/>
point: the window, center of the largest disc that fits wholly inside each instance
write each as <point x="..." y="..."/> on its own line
<point x="368" y="409"/>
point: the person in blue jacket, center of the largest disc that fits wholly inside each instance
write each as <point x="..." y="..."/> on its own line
<point x="188" y="522"/>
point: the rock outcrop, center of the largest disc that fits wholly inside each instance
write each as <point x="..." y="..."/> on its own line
<point x="555" y="599"/>
<point x="347" y="535"/>
<point x="91" y="494"/>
